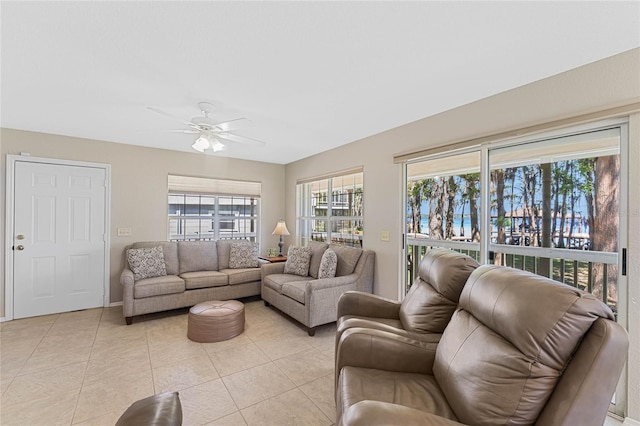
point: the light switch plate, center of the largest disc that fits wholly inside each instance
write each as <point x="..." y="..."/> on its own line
<point x="384" y="236"/>
<point x="124" y="232"/>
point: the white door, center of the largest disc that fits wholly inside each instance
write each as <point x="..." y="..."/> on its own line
<point x="59" y="238"/>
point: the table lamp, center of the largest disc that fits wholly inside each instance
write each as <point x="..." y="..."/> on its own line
<point x="281" y="229"/>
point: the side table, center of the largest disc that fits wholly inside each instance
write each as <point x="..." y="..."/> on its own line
<point x="274" y="259"/>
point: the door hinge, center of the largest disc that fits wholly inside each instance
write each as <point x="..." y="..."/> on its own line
<point x="624" y="262"/>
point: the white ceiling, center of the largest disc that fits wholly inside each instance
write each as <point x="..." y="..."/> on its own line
<point x="309" y="75"/>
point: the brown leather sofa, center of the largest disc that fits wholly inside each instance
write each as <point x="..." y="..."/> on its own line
<point x="519" y="349"/>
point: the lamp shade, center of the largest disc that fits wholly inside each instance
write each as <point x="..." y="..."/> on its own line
<point x="281" y="229"/>
<point x="201" y="144"/>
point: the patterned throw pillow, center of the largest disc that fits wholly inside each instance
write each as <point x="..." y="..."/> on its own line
<point x="298" y="261"/>
<point x="146" y="262"/>
<point x="328" y="264"/>
<point x="243" y="254"/>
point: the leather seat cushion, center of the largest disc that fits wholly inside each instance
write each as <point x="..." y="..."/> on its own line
<point x="417" y="391"/>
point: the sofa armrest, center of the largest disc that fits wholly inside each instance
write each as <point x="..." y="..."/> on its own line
<point x="372" y="413"/>
<point x="382" y="350"/>
<point x="271" y="268"/>
<point x="126" y="277"/>
<point x="127" y="280"/>
<point x="363" y="304"/>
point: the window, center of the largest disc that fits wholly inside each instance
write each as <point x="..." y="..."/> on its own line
<point x="207" y="209"/>
<point x="330" y="209"/>
<point x="549" y="205"/>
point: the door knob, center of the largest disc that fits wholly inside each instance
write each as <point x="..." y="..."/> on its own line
<point x="20" y="247"/>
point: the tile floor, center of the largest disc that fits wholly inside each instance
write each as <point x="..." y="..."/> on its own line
<point x="87" y="367"/>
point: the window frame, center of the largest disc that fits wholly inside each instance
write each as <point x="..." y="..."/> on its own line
<point x="220" y="194"/>
<point x="330" y="197"/>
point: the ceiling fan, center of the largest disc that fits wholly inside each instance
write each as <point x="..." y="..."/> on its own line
<point x="211" y="134"/>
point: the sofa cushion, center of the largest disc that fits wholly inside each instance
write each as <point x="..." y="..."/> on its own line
<point x="243" y="275"/>
<point x="204" y="279"/>
<point x="197" y="256"/>
<point x="424" y="310"/>
<point x="493" y="363"/>
<point x="295" y="290"/>
<point x="347" y="258"/>
<point x="243" y="254"/>
<point x="158" y="286"/>
<point x="169" y="251"/>
<point x="146" y="262"/>
<point x="298" y="261"/>
<point x="276" y="281"/>
<point x="328" y="264"/>
<point x="317" y="251"/>
<point x="224" y="252"/>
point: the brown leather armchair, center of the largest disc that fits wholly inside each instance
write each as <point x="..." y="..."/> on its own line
<point x="520" y="349"/>
<point x="425" y="310"/>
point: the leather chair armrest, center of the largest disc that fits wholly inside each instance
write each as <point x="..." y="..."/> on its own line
<point x="373" y="413"/>
<point x="363" y="304"/>
<point x="382" y="350"/>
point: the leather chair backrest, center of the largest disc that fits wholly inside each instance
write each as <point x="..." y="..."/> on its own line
<point x="507" y="345"/>
<point x="433" y="296"/>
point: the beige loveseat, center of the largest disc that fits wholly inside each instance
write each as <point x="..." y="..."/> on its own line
<point x="196" y="271"/>
<point x="313" y="301"/>
<point x="519" y="349"/>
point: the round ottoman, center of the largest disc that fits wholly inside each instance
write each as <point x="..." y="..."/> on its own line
<point x="215" y="321"/>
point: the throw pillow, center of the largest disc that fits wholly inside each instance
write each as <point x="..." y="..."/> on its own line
<point x="146" y="262"/>
<point x="328" y="264"/>
<point x="298" y="261"/>
<point x="243" y="254"/>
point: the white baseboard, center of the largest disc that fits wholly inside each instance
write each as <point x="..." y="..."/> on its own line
<point x="628" y="421"/>
<point x="3" y="319"/>
<point x="114" y="304"/>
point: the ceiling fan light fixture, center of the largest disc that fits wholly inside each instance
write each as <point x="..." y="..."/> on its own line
<point x="217" y="146"/>
<point x="201" y="144"/>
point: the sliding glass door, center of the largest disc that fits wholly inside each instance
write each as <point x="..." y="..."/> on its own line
<point x="553" y="205"/>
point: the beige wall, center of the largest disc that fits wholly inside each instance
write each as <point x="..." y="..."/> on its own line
<point x="607" y="83"/>
<point x="139" y="186"/>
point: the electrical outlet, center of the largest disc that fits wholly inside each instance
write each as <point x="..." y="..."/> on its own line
<point x="124" y="232"/>
<point x="384" y="236"/>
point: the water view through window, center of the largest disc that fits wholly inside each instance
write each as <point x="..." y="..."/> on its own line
<point x="552" y="208"/>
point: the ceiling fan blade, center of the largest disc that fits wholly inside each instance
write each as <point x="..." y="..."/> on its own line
<point x="188" y="131"/>
<point x="192" y="132"/>
<point x="226" y="126"/>
<point x="166" y="114"/>
<point x="230" y="137"/>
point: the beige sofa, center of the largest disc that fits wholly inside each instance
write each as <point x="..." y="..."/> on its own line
<point x="519" y="349"/>
<point x="196" y="271"/>
<point x="313" y="301"/>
